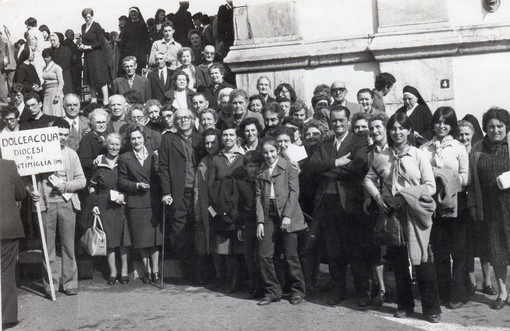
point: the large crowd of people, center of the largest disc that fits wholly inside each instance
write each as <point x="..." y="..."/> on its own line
<point x="249" y="192"/>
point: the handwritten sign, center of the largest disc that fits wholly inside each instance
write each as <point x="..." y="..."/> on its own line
<point x="34" y="151"/>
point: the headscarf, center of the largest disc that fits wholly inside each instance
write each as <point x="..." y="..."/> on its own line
<point x="140" y="17"/>
<point x="398" y="169"/>
<point x="414" y="91"/>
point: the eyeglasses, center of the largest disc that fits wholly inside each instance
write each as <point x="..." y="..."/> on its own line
<point x="340" y="89"/>
<point x="184" y="118"/>
<point x="136" y="118"/>
<point x="10" y="119"/>
<point x="100" y="123"/>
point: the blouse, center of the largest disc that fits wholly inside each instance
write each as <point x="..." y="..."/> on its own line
<point x="52" y="74"/>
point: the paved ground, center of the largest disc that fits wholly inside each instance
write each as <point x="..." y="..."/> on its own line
<point x="179" y="306"/>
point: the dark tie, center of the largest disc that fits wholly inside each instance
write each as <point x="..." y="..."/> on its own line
<point x="161" y="76"/>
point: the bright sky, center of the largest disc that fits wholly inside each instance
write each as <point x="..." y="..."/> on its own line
<point x="60" y="15"/>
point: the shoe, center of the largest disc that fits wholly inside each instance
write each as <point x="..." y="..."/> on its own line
<point x="6" y="326"/>
<point x="378" y="300"/>
<point x="156" y="277"/>
<point x="267" y="301"/>
<point x="71" y="291"/>
<point x="335" y="299"/>
<point x="296" y="299"/>
<point x="145" y="279"/>
<point x="111" y="280"/>
<point x="364" y="300"/>
<point x="499" y="303"/>
<point x="257" y="294"/>
<point x="455" y="305"/>
<point x="471" y="288"/>
<point x="433" y="318"/>
<point x="124" y="280"/>
<point x="403" y="313"/>
<point x="489" y="290"/>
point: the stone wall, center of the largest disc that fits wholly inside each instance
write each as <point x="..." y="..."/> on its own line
<point x="422" y="42"/>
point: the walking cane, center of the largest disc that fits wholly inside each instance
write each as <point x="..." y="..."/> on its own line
<point x="163" y="250"/>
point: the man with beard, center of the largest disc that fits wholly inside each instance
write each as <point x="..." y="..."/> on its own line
<point x="273" y="115"/>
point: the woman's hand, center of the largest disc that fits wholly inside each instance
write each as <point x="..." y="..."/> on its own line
<point x="121" y="199"/>
<point x="97" y="159"/>
<point x="366" y="204"/>
<point x="95" y="210"/>
<point x="380" y="202"/>
<point x="285" y="223"/>
<point x="343" y="160"/>
<point x="260" y="231"/>
<point x="240" y="235"/>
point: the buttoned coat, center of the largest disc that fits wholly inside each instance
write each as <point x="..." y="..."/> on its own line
<point x="141" y="84"/>
<point x="286" y="188"/>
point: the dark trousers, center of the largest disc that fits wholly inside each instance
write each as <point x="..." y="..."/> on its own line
<point x="250" y="254"/>
<point x="180" y="225"/>
<point x="425" y="275"/>
<point x="448" y="238"/>
<point x="309" y="250"/>
<point x="344" y="241"/>
<point x="275" y="242"/>
<point x="10" y="249"/>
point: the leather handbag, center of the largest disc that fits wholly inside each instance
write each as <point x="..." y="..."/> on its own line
<point x="388" y="231"/>
<point x="94" y="238"/>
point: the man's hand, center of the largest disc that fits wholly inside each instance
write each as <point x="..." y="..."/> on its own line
<point x="240" y="235"/>
<point x="142" y="186"/>
<point x="35" y="195"/>
<point x="167" y="199"/>
<point x="260" y="231"/>
<point x="285" y="224"/>
<point x="380" y="202"/>
<point x="343" y="160"/>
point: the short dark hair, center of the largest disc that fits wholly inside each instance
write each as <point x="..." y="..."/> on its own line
<point x="358" y="116"/>
<point x="283" y="99"/>
<point x="90" y="11"/>
<point x="384" y="79"/>
<point x="322" y="88"/>
<point x="293" y="121"/>
<point x="44" y="28"/>
<point x="284" y="130"/>
<point x="123" y="18"/>
<point x="132" y="128"/>
<point x="253" y="157"/>
<point x="61" y="123"/>
<point x="32" y="95"/>
<point x="228" y="125"/>
<point x="339" y="108"/>
<point x="269" y="140"/>
<point x="17" y="88"/>
<point x="31" y="22"/>
<point x="177" y="74"/>
<point x="298" y="106"/>
<point x="212" y="132"/>
<point x="166" y="24"/>
<point x="47" y="52"/>
<point x="248" y="121"/>
<point x="500" y="114"/>
<point x="274" y="107"/>
<point x="313" y="124"/>
<point x="449" y="117"/>
<point x="257" y="97"/>
<point x="6" y="110"/>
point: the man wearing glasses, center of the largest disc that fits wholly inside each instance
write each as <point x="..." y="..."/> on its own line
<point x="339" y="92"/>
<point x="10" y="115"/>
<point x="178" y="157"/>
<point x="37" y="118"/>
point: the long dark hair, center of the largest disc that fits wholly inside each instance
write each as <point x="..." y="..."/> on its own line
<point x="449" y="117"/>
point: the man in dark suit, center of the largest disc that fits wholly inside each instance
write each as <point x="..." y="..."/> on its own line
<point x="37" y="119"/>
<point x="225" y="34"/>
<point x="216" y="72"/>
<point x="11" y="229"/>
<point x="339" y="164"/>
<point x="183" y="23"/>
<point x="132" y="81"/>
<point x="79" y="124"/>
<point x="179" y="155"/>
<point x="160" y="79"/>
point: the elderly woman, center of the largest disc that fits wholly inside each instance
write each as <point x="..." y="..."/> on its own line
<point x="153" y="110"/>
<point x="138" y="114"/>
<point x="250" y="130"/>
<point x="185" y="57"/>
<point x="419" y="114"/>
<point x="208" y="118"/>
<point x="256" y="103"/>
<point x="179" y="96"/>
<point x="227" y="164"/>
<point x="204" y="237"/>
<point x="488" y="201"/>
<point x="109" y="204"/>
<point x="407" y="186"/>
<point x="139" y="181"/>
<point x="450" y="162"/>
<point x="366" y="99"/>
<point x="53" y="85"/>
<point x="95" y="68"/>
<point x="93" y="142"/>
